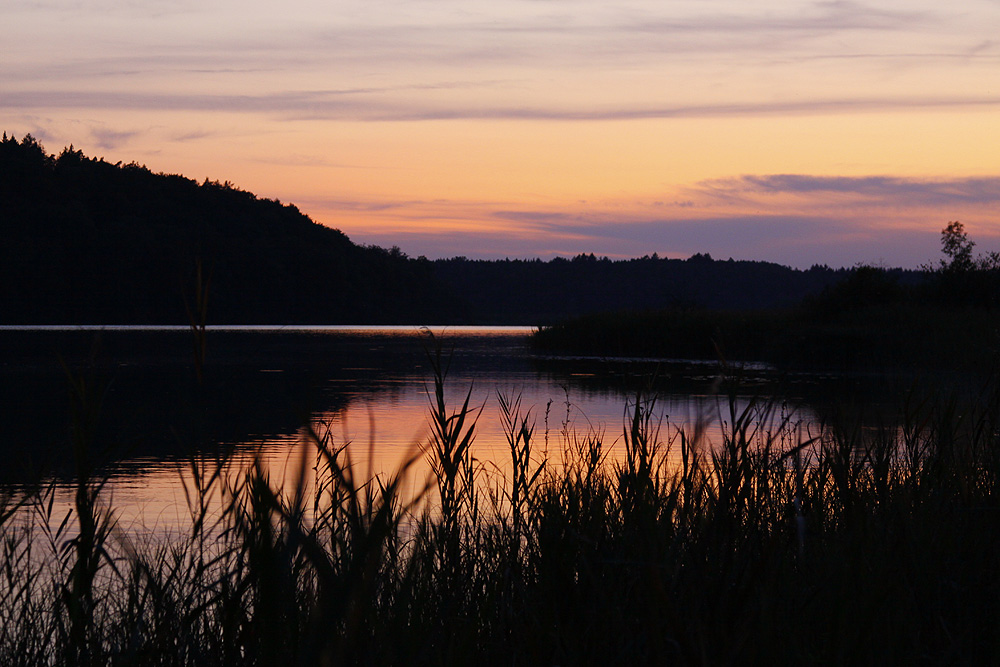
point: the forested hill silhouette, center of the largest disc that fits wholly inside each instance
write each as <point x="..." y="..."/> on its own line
<point x="87" y="241"/>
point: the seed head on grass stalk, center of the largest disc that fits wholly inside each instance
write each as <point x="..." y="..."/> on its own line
<point x="518" y="429"/>
<point x="640" y="474"/>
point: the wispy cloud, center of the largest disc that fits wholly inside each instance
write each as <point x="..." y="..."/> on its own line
<point x="797" y="20"/>
<point x="110" y="139"/>
<point x="362" y="206"/>
<point x="356" y="105"/>
<point x="196" y="135"/>
<point x="590" y="31"/>
<point x="370" y="62"/>
<point x="887" y="190"/>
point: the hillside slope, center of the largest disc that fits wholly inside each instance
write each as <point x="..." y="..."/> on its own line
<point x="86" y="241"/>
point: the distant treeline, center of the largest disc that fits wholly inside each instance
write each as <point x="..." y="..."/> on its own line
<point x="537" y="292"/>
<point x="87" y="241"/>
<point x="943" y="318"/>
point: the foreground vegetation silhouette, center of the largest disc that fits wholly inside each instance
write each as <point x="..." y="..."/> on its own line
<point x="775" y="545"/>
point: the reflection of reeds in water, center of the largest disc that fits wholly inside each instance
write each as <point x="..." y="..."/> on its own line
<point x="840" y="546"/>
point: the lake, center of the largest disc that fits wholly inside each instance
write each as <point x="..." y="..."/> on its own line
<point x="151" y="409"/>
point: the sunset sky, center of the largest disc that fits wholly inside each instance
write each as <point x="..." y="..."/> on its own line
<point x="797" y="132"/>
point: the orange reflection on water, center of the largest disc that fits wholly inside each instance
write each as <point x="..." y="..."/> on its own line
<point x="376" y="436"/>
<point x="391" y="435"/>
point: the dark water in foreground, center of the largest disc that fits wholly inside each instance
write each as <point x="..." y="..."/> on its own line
<point x="369" y="387"/>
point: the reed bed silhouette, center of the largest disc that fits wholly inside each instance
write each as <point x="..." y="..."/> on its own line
<point x="844" y="544"/>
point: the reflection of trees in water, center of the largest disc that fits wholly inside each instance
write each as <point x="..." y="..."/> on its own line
<point x="255" y="385"/>
<point x="842" y="401"/>
<point x="258" y="387"/>
<point x="159" y="414"/>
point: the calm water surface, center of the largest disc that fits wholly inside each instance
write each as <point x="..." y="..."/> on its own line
<point x="368" y="387"/>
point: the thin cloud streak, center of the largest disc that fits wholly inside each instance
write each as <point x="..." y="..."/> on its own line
<point x="110" y="139"/>
<point x="831" y="17"/>
<point x="344" y="105"/>
<point x="887" y="190"/>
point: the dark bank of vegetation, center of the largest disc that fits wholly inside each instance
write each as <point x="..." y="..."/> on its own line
<point x="537" y="293"/>
<point x="840" y="545"/>
<point x="947" y="317"/>
<point x="89" y="242"/>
